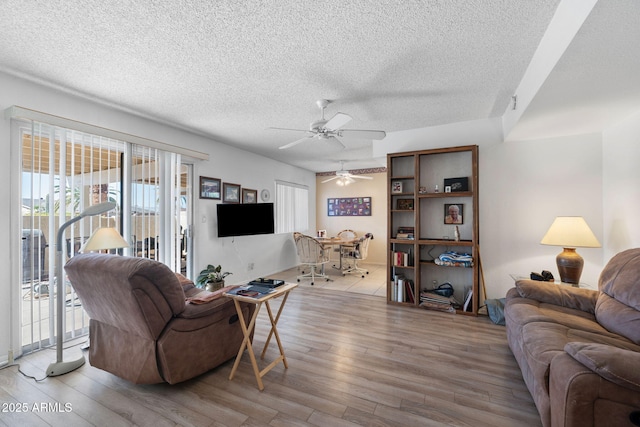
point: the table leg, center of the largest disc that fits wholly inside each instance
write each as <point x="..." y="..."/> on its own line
<point x="274" y="330"/>
<point x="246" y="343"/>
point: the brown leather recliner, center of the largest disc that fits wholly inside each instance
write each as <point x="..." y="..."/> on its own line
<point x="142" y="329"/>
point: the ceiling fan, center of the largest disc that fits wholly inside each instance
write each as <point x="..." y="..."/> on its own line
<point x="345" y="177"/>
<point x="329" y="130"/>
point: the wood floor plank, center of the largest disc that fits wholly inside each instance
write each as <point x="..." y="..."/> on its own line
<point x="353" y="360"/>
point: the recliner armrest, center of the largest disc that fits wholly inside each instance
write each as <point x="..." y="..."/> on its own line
<point x="561" y="295"/>
<point x="193" y="311"/>
<point x="618" y="365"/>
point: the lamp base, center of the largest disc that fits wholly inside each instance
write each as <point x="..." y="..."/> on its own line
<point x="570" y="265"/>
<point x="61" y="368"/>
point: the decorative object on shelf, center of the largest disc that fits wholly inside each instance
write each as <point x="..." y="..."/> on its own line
<point x="422" y="190"/>
<point x="447" y="189"/>
<point x="436" y="189"/>
<point x="457" y="184"/>
<point x="211" y="278"/>
<point x="265" y="195"/>
<point x="570" y="232"/>
<point x="209" y="188"/>
<point x="230" y="193"/>
<point x="405" y="204"/>
<point x="453" y="213"/>
<point x="60" y="367"/>
<point x="249" y="196"/>
<point x="349" y="206"/>
<point x="396" y="187"/>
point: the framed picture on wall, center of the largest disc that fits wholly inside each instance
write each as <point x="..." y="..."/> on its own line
<point x="209" y="188"/>
<point x="249" y="196"/>
<point x="230" y="193"/>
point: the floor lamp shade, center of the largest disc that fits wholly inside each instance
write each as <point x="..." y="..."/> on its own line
<point x="570" y="232"/>
<point x="104" y="238"/>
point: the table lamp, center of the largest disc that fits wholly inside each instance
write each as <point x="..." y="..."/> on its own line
<point x="570" y="232"/>
<point x="60" y="367"/>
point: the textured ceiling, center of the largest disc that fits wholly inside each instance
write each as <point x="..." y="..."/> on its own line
<point x="230" y="69"/>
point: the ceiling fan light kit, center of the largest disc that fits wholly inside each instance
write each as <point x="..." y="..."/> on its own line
<point x="329" y="130"/>
<point x="344" y="177"/>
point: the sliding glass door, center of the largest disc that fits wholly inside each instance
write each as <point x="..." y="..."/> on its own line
<point x="62" y="172"/>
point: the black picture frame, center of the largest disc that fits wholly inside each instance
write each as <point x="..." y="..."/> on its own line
<point x="230" y="192"/>
<point x="249" y="196"/>
<point x="452" y="217"/>
<point x="210" y="188"/>
<point x="457" y="184"/>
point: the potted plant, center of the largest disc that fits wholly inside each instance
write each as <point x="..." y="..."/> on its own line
<point x="211" y="278"/>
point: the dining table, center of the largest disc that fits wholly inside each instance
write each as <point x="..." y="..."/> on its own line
<point x="340" y="242"/>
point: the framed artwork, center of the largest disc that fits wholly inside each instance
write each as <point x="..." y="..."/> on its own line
<point x="396" y="187"/>
<point x="249" y="196"/>
<point x="457" y="184"/>
<point x="209" y="188"/>
<point x="405" y="204"/>
<point x="349" y="206"/>
<point x="453" y="213"/>
<point x="230" y="193"/>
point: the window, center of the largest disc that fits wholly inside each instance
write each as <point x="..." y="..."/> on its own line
<point x="292" y="207"/>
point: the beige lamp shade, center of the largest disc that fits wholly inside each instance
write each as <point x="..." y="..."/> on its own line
<point x="104" y="238"/>
<point x="570" y="232"/>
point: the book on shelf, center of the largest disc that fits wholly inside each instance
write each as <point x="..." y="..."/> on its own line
<point x="409" y="291"/>
<point x="406" y="229"/>
<point x="402" y="259"/>
<point x="407" y="236"/>
<point x="402" y="289"/>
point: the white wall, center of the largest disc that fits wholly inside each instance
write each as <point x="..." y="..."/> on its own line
<point x="268" y="253"/>
<point x="523" y="187"/>
<point x="621" y="157"/>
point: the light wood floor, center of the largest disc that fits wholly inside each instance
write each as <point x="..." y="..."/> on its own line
<point x="353" y="361"/>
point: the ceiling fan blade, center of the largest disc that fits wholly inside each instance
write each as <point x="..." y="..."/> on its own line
<point x="364" y="134"/>
<point x="297" y="130"/>
<point x="361" y="177"/>
<point x="335" y="140"/>
<point x="291" y="144"/>
<point x="329" y="179"/>
<point x="337" y="121"/>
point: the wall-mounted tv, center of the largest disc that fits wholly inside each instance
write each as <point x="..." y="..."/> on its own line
<point x="245" y="219"/>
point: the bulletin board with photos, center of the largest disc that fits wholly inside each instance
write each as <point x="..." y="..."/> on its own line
<point x="349" y="206"/>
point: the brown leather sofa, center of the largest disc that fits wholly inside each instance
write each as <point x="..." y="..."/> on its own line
<point x="142" y="328"/>
<point x="579" y="349"/>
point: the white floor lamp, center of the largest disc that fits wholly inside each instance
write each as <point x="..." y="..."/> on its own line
<point x="60" y="367"/>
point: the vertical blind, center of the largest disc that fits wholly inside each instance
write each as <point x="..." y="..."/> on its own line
<point x="292" y="207"/>
<point x="63" y="171"/>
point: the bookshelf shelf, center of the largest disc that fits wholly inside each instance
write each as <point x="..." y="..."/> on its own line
<point x="413" y="177"/>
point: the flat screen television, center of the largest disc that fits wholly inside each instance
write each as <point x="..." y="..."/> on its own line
<point x="245" y="219"/>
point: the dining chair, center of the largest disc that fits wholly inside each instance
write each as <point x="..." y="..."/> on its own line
<point x="314" y="255"/>
<point x="346" y="234"/>
<point x="359" y="253"/>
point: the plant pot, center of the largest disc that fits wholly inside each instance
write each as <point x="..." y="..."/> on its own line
<point x="214" y="286"/>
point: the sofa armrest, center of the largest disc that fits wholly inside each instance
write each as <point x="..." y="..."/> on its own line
<point x="618" y="365"/>
<point x="561" y="295"/>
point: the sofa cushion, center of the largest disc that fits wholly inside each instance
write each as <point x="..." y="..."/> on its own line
<point x="618" y="306"/>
